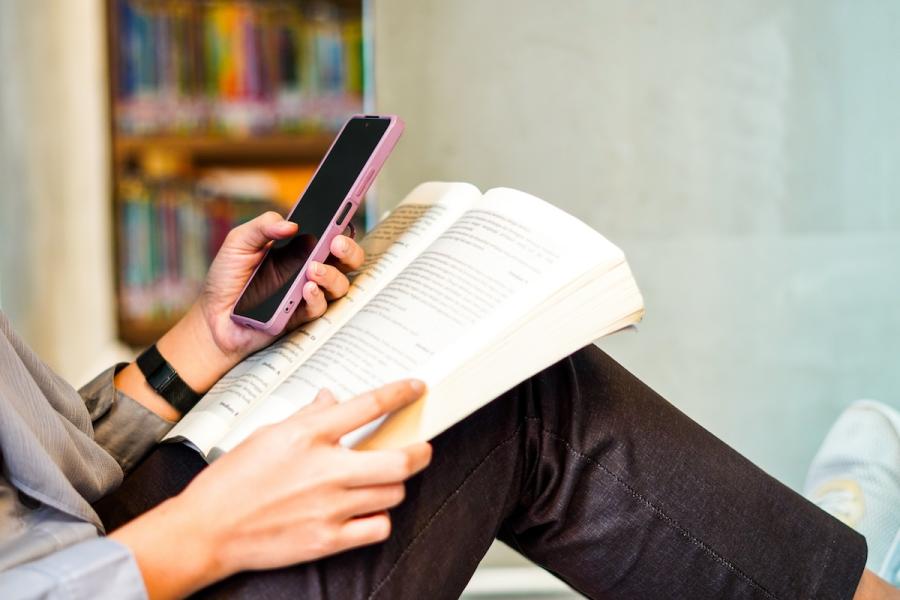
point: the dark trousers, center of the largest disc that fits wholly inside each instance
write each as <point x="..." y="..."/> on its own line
<point x="590" y="474"/>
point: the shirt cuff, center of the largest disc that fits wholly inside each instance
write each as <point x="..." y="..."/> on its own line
<point x="98" y="568"/>
<point x="124" y="427"/>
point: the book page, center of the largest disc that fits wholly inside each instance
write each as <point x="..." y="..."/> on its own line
<point x="495" y="263"/>
<point x="599" y="303"/>
<point x="426" y="212"/>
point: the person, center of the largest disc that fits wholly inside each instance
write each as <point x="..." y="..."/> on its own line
<point x="855" y="476"/>
<point x="582" y="468"/>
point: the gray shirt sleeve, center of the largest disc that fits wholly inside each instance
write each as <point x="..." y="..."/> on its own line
<point x="124" y="427"/>
<point x="98" y="568"/>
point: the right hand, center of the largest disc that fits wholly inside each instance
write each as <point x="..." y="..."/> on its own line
<point x="290" y="493"/>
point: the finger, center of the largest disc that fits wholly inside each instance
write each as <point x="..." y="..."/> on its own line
<point x="380" y="467"/>
<point x="347" y="416"/>
<point x="330" y="279"/>
<point x="315" y="301"/>
<point x="280" y="229"/>
<point x="348" y="255"/>
<point x="368" y="500"/>
<point x="256" y="233"/>
<point x="313" y="307"/>
<point x="362" y="531"/>
<point x="324" y="399"/>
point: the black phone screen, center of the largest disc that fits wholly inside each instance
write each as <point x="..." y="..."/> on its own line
<point x="315" y="211"/>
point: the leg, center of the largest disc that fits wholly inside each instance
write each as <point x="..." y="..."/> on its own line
<point x="632" y="499"/>
<point x="591" y="474"/>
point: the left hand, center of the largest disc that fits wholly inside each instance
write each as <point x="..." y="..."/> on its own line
<point x="241" y="251"/>
<point x="206" y="343"/>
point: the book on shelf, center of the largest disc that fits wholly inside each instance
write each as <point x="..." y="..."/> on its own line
<point x="470" y="292"/>
<point x="236" y="67"/>
<point x="171" y="228"/>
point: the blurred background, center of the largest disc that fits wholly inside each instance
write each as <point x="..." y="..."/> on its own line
<point x="743" y="154"/>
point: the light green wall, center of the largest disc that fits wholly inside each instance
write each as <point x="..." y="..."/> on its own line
<point x="745" y="155"/>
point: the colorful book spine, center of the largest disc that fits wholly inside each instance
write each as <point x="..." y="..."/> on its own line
<point x="169" y="232"/>
<point x="236" y="67"/>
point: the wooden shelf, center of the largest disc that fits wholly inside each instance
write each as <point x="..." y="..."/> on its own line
<point x="181" y="158"/>
<point x="304" y="147"/>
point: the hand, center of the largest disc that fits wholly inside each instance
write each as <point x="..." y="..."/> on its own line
<point x="241" y="251"/>
<point x="206" y="343"/>
<point x="290" y="493"/>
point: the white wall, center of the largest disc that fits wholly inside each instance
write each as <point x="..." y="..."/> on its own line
<point x="55" y="246"/>
<point x="744" y="154"/>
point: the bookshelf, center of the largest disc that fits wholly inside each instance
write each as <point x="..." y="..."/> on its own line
<point x="275" y="148"/>
<point x="219" y="110"/>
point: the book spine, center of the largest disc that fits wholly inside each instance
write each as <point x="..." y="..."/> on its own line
<point x="235" y="67"/>
<point x="170" y="230"/>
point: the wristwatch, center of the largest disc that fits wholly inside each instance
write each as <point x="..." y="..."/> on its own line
<point x="163" y="378"/>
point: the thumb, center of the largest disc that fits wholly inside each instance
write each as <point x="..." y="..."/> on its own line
<point x="255" y="234"/>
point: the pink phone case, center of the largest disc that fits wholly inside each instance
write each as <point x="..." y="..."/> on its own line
<point x="294" y="297"/>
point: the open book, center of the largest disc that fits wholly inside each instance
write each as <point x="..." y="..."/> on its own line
<point x="471" y="293"/>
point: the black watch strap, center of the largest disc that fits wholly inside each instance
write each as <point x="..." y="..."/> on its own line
<point x="165" y="380"/>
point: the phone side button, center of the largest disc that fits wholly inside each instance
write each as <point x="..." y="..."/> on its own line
<point x="366" y="180"/>
<point x="343" y="215"/>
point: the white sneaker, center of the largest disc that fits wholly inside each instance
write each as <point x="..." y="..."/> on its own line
<point x="855" y="476"/>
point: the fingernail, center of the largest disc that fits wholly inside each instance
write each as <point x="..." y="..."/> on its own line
<point x="324" y="395"/>
<point x="343" y="244"/>
<point x="312" y="289"/>
<point x="318" y="268"/>
<point x="417" y="385"/>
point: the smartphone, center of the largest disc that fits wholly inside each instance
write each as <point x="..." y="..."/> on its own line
<point x="323" y="210"/>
